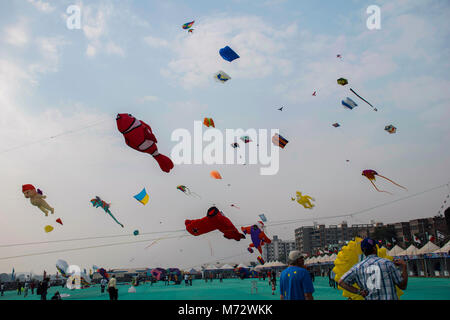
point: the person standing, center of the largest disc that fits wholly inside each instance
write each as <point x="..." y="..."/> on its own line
<point x="295" y="281"/>
<point x="19" y="287"/>
<point x="112" y="288"/>
<point x="103" y="284"/>
<point x="376" y="277"/>
<point x="32" y="284"/>
<point x="186" y="279"/>
<point x="44" y="288"/>
<point x="26" y="287"/>
<point x="190" y="280"/>
<point x="221" y="277"/>
<point x="2" y="289"/>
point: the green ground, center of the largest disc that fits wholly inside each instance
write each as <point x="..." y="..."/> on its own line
<point x="235" y="289"/>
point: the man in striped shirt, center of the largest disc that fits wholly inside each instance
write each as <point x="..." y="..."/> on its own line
<point x="375" y="276"/>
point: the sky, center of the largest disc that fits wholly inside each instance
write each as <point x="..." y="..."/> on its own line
<point x="134" y="57"/>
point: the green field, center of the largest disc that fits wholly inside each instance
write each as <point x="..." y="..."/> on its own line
<point x="235" y="289"/>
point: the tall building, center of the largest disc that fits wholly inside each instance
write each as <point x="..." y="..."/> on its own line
<point x="312" y="239"/>
<point x="278" y="250"/>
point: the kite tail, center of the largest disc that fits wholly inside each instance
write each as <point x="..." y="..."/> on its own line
<point x="392" y="182"/>
<point x="377" y="188"/>
<point x="374" y="109"/>
<point x="194" y="194"/>
<point x="164" y="162"/>
<point x="114" y="218"/>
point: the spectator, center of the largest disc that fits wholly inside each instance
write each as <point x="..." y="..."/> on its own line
<point x="112" y="288"/>
<point x="186" y="279"/>
<point x="376" y="277"/>
<point x="295" y="281"/>
<point x="2" y="289"/>
<point x="190" y="280"/>
<point x="19" y="287"/>
<point x="103" y="284"/>
<point x="44" y="288"/>
<point x="32" y="284"/>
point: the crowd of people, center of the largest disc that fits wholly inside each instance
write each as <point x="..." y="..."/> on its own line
<point x="376" y="279"/>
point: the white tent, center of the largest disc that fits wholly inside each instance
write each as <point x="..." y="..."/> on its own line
<point x="333" y="257"/>
<point x="444" y="249"/>
<point x="411" y="251"/>
<point x="226" y="267"/>
<point x="395" y="251"/>
<point x="211" y="267"/>
<point x="428" y="248"/>
<point x="277" y="264"/>
<point x="243" y="266"/>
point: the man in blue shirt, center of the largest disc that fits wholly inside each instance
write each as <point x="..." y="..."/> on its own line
<point x="295" y="281"/>
<point x="376" y="277"/>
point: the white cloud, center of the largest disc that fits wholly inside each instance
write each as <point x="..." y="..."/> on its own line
<point x="43" y="6"/>
<point x="17" y="35"/>
<point x="95" y="28"/>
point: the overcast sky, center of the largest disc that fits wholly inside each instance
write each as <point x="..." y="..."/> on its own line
<point x="134" y="57"/>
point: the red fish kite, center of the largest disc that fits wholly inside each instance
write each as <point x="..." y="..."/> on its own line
<point x="139" y="136"/>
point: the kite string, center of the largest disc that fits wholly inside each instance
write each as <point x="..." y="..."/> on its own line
<point x="52" y="137"/>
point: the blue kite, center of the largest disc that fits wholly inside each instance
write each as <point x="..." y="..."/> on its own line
<point x="228" y="54"/>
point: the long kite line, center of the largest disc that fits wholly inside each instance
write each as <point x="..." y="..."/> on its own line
<point x="55" y="136"/>
<point x="90" y="247"/>
<point x="275" y="223"/>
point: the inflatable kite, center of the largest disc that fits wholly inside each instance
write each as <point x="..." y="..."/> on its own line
<point x="336" y="125"/>
<point x="59" y="221"/>
<point x="214" y="220"/>
<point x="391" y="129"/>
<point x="370" y="174"/>
<point x="97" y="202"/>
<point x="349" y="103"/>
<point x="37" y="198"/>
<point x="304" y="200"/>
<point x="142" y="197"/>
<point x="258" y="237"/>
<point x="188" y="25"/>
<point x="48" y="229"/>
<point x="314" y="93"/>
<point x="235" y="145"/>
<point x="209" y="122"/>
<point x="228" y="54"/>
<point x="246" y="139"/>
<point x="138" y="135"/>
<point x="221" y="76"/>
<point x="215" y="174"/>
<point x="263" y="217"/>
<point x="347" y="258"/>
<point x="279" y="141"/>
<point x="339" y="56"/>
